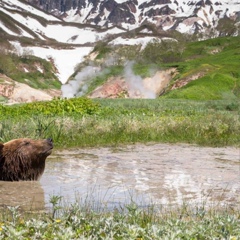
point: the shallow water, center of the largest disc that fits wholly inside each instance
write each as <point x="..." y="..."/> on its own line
<point x="146" y="174"/>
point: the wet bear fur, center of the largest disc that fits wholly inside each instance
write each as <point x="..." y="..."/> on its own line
<point x="23" y="159"/>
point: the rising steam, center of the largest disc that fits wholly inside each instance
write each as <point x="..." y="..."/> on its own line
<point x="79" y="86"/>
<point x="137" y="87"/>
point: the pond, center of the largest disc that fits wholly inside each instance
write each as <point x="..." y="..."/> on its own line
<point x="143" y="173"/>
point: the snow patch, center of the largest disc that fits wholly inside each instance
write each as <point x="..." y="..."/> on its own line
<point x="26" y="7"/>
<point x="65" y="60"/>
<point x="133" y="41"/>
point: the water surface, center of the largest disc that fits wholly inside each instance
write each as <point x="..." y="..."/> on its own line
<point x="154" y="173"/>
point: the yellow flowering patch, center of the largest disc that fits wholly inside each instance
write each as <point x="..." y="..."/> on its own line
<point x="1" y="224"/>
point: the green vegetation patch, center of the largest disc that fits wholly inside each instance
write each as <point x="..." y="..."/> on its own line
<point x="81" y="221"/>
<point x="102" y="48"/>
<point x="33" y="71"/>
<point x="9" y="22"/>
<point x="104" y="76"/>
<point x="211" y="87"/>
<point x="217" y="63"/>
<point x="143" y="70"/>
<point x="57" y="106"/>
<point x="83" y="122"/>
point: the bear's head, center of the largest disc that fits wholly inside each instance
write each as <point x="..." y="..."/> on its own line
<point x="24" y="158"/>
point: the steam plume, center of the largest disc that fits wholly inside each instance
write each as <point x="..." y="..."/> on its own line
<point x="78" y="86"/>
<point x="136" y="87"/>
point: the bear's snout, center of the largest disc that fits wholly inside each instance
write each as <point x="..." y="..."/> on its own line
<point x="50" y="142"/>
<point x="24" y="158"/>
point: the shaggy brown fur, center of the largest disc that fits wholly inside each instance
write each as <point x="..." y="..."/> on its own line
<point x="24" y="158"/>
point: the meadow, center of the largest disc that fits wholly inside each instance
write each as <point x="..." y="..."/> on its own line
<point x="204" y="112"/>
<point x="82" y="221"/>
<point x="82" y="122"/>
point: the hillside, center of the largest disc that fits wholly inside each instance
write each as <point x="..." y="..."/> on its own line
<point x="210" y="71"/>
<point x="138" y="60"/>
<point x="193" y="16"/>
<point x="200" y="70"/>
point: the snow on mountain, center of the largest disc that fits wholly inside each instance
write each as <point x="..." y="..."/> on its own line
<point x="137" y="41"/>
<point x="165" y="14"/>
<point x="65" y="60"/>
<point x="22" y="6"/>
<point x="77" y="25"/>
<point x="32" y="23"/>
<point x="184" y="16"/>
<point x="47" y="29"/>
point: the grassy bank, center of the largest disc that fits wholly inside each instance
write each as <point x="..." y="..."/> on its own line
<point x="204" y="70"/>
<point x="80" y="122"/>
<point x="215" y="61"/>
<point x="128" y="222"/>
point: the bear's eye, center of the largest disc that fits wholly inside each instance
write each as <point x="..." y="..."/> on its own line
<point x="27" y="143"/>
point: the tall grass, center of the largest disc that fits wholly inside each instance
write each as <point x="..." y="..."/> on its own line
<point x="114" y="122"/>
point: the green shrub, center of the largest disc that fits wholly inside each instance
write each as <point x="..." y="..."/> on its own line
<point x="142" y="70"/>
<point x="79" y="220"/>
<point x="12" y="64"/>
<point x="102" y="48"/>
<point x="57" y="106"/>
<point x="164" y="51"/>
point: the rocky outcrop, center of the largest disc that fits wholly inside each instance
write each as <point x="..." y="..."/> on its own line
<point x="115" y="87"/>
<point x="93" y="12"/>
<point x="107" y="13"/>
<point x="15" y="92"/>
<point x="120" y="87"/>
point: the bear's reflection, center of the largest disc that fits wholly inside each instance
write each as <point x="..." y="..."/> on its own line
<point x="27" y="195"/>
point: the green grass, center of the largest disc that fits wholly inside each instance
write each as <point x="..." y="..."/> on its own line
<point x="143" y="70"/>
<point x="79" y="122"/>
<point x="212" y="87"/>
<point x="13" y="65"/>
<point x="80" y="221"/>
<point x="215" y="62"/>
<point x="221" y="72"/>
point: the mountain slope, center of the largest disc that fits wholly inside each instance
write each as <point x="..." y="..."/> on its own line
<point x="31" y="30"/>
<point x="68" y="39"/>
<point x="191" y="16"/>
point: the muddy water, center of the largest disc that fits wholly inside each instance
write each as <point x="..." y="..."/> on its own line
<point x="159" y="174"/>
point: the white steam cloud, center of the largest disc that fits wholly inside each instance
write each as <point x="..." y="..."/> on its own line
<point x="79" y="86"/>
<point x="136" y="86"/>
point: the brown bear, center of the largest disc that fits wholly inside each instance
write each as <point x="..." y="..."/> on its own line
<point x="24" y="158"/>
